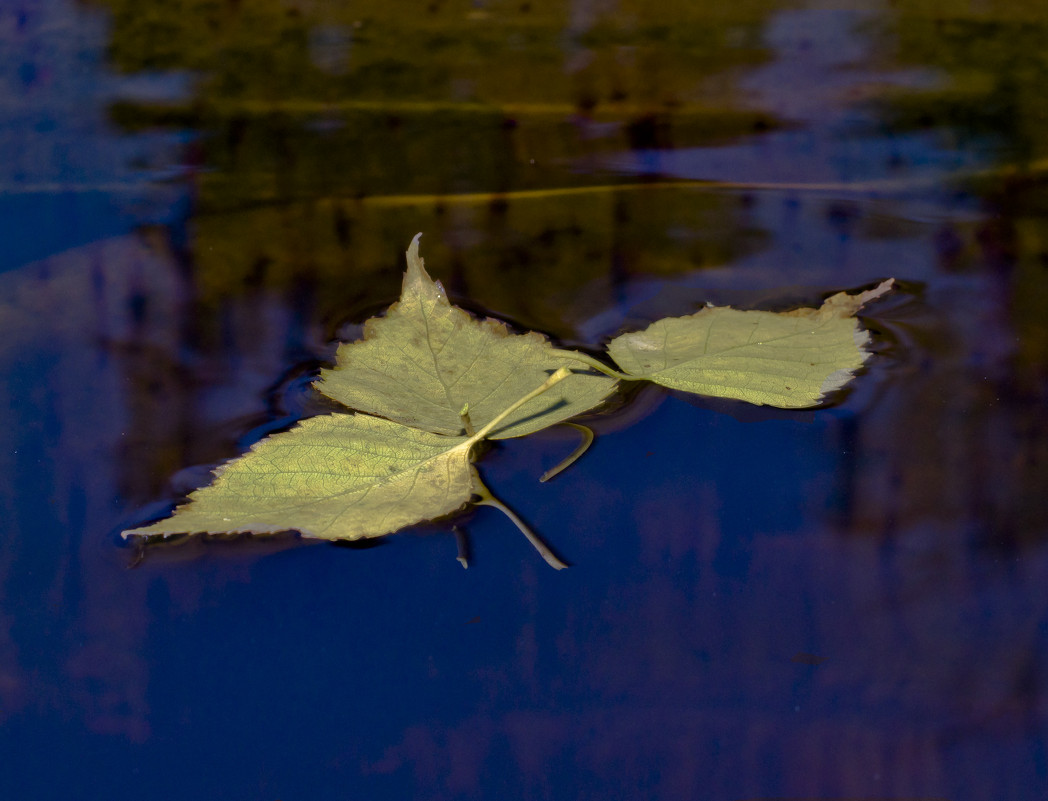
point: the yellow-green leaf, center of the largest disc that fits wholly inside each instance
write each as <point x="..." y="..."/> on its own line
<point x="426" y="361"/>
<point x="790" y="359"/>
<point x="337" y="476"/>
<point x="345" y="477"/>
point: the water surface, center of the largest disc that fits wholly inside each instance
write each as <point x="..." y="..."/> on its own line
<point x="199" y="199"/>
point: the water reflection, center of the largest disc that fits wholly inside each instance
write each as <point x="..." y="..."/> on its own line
<point x="897" y="539"/>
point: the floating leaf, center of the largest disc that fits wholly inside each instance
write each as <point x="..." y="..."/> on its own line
<point x="440" y="381"/>
<point x="337" y="476"/>
<point x="426" y="361"/>
<point x="343" y="476"/>
<point x="790" y="359"/>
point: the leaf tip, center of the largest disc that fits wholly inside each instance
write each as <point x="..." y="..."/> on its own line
<point x="145" y="531"/>
<point x="149" y="532"/>
<point x="415" y="262"/>
<point x="883" y="288"/>
<point x="844" y="305"/>
<point x="417" y="280"/>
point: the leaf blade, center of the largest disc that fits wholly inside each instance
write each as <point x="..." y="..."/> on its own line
<point x="339" y="476"/>
<point x="790" y="360"/>
<point x="426" y="360"/>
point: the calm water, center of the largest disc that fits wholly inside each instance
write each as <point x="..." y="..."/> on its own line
<point x="198" y="199"/>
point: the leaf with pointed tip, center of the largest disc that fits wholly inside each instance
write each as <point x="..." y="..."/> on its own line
<point x="791" y="359"/>
<point x="345" y="477"/>
<point x="426" y="361"/>
<point x="337" y="476"/>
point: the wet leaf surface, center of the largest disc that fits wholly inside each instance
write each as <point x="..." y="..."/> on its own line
<point x="791" y="360"/>
<point x="426" y="360"/>
<point x="338" y="476"/>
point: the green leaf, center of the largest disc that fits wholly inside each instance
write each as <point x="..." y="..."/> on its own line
<point x="337" y="476"/>
<point x="345" y="477"/>
<point x="426" y="361"/>
<point x="790" y="359"/>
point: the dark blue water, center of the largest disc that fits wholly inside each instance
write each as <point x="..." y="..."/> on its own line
<point x="849" y="602"/>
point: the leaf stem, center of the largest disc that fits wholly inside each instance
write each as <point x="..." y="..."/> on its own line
<point x="596" y="364"/>
<point x="587" y="440"/>
<point x="467" y="424"/>
<point x="487" y="499"/>
<point x="556" y="378"/>
<point x="462" y="541"/>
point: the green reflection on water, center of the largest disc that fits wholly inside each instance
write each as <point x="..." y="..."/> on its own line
<point x="318" y="119"/>
<point x="993" y="68"/>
